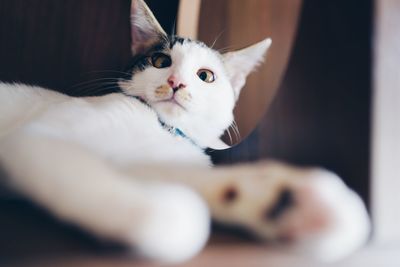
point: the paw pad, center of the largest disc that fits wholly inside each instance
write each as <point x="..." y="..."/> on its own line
<point x="230" y="194"/>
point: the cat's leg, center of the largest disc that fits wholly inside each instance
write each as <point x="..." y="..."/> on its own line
<point x="163" y="221"/>
<point x="310" y="207"/>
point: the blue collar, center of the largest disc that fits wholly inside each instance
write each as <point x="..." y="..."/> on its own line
<point x="171" y="129"/>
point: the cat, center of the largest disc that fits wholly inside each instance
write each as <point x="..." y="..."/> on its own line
<point x="131" y="167"/>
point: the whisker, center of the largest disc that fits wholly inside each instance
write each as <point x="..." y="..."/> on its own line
<point x="235" y="133"/>
<point x="236" y="127"/>
<point x="229" y="134"/>
<point x="94" y="81"/>
<point x="95" y="89"/>
<point x="235" y="130"/>
<point x="217" y="38"/>
<point x="98" y="91"/>
<point x="173" y="30"/>
<point x="88" y="86"/>
<point x="97" y="84"/>
<point x="225" y="49"/>
<point x="109" y="71"/>
<point x="138" y="90"/>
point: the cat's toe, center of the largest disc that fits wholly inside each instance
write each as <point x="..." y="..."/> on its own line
<point x="174" y="227"/>
<point x="283" y="202"/>
<point x="321" y="216"/>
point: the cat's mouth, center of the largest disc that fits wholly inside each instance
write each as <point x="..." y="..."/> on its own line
<point x="172" y="100"/>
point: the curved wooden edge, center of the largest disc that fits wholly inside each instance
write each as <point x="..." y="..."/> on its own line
<point x="188" y="18"/>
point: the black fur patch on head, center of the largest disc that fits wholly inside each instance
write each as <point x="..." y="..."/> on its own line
<point x="177" y="40"/>
<point x="141" y="61"/>
<point x="174" y="39"/>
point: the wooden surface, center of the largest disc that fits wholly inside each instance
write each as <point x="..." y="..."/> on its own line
<point x="235" y="254"/>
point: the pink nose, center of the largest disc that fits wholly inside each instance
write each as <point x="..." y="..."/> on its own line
<point x="175" y="83"/>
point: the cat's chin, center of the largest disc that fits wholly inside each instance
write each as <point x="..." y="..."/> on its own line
<point x="170" y="108"/>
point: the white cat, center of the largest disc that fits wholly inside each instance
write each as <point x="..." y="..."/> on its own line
<point x="130" y="166"/>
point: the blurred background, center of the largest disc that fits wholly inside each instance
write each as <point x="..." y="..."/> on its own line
<point x="309" y="104"/>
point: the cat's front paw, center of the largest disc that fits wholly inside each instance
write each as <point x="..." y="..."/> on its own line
<point x="173" y="225"/>
<point x="320" y="216"/>
<point x="312" y="210"/>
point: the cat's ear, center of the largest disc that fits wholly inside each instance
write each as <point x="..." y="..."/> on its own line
<point x="145" y="29"/>
<point x="241" y="62"/>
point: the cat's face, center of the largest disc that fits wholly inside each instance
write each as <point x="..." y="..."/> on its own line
<point x="186" y="83"/>
<point x="189" y="85"/>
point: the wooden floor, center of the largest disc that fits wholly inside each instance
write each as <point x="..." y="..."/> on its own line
<point x="236" y="255"/>
<point x="29" y="237"/>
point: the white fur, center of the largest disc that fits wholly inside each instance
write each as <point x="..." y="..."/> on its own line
<point x="240" y="63"/>
<point x="76" y="157"/>
<point x="85" y="160"/>
<point x="320" y="196"/>
<point x="107" y="165"/>
<point x="56" y="157"/>
<point x="69" y="154"/>
<point x="346" y="213"/>
<point x="208" y="109"/>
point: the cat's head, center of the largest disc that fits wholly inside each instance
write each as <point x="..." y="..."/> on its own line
<point x="191" y="86"/>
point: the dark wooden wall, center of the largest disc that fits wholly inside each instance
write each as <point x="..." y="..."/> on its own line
<point x="64" y="44"/>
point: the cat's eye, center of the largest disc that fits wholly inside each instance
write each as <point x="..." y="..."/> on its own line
<point x="160" y="60"/>
<point x="206" y="75"/>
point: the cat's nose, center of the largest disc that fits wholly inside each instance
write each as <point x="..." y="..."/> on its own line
<point x="175" y="83"/>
